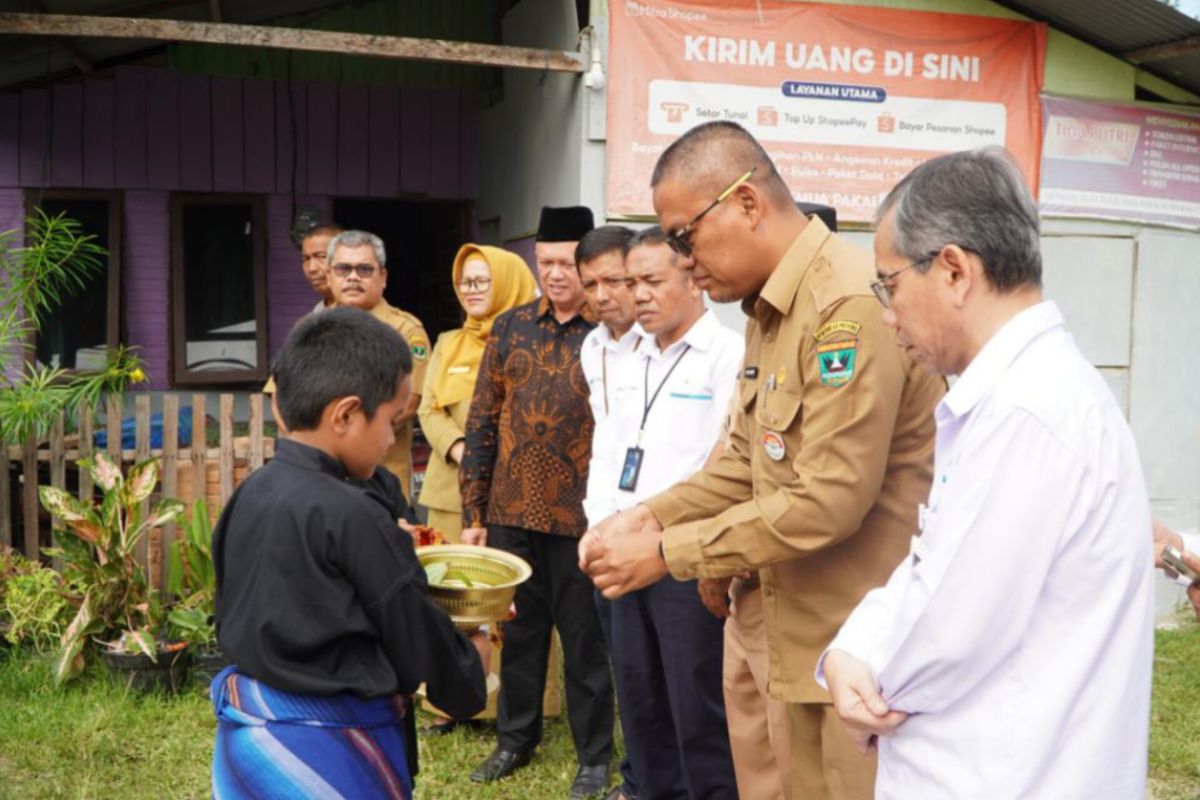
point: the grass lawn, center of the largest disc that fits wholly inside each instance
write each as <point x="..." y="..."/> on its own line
<point x="95" y="740"/>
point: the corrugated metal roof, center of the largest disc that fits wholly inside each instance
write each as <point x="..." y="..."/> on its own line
<point x="29" y="58"/>
<point x="1121" y="27"/>
<point x="1115" y="26"/>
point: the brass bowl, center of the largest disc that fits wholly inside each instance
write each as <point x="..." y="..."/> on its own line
<point x="494" y="573"/>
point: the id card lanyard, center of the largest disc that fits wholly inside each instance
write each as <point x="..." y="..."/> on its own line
<point x="632" y="467"/>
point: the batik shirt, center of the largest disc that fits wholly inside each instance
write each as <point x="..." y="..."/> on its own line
<point x="529" y="433"/>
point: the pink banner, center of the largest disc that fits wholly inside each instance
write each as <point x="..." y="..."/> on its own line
<point x="1124" y="162"/>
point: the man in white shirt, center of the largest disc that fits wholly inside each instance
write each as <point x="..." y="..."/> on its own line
<point x="600" y="259"/>
<point x="1010" y="654"/>
<point x="669" y="408"/>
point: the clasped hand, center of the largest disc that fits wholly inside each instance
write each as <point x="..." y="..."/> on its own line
<point x="621" y="554"/>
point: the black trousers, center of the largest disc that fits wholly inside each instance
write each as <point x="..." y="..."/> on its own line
<point x="668" y="653"/>
<point x="558" y="595"/>
<point x="604" y="610"/>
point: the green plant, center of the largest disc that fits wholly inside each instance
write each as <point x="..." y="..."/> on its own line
<point x="57" y="261"/>
<point x="192" y="578"/>
<point x="36" y="608"/>
<point x="104" y="579"/>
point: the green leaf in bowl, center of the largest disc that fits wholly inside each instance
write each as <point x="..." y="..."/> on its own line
<point x="435" y="573"/>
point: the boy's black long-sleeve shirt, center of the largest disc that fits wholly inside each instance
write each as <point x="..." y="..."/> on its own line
<point x="318" y="590"/>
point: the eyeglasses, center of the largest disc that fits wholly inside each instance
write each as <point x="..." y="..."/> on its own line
<point x="363" y="271"/>
<point x="883" y="291"/>
<point x="679" y="240"/>
<point x="474" y="285"/>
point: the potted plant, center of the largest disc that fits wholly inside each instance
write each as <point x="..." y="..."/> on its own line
<point x="192" y="578"/>
<point x="105" y="582"/>
<point x="49" y="261"/>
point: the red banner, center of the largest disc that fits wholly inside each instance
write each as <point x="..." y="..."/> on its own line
<point x="846" y="99"/>
<point x="1118" y="161"/>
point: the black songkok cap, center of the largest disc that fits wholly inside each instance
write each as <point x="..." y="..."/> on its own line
<point x="566" y="224"/>
<point x="827" y="214"/>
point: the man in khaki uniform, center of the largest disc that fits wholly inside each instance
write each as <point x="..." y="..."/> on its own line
<point x="830" y="452"/>
<point x="358" y="275"/>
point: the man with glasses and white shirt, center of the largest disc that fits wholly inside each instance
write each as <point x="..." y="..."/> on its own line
<point x="358" y="275"/>
<point x="1009" y="654"/>
<point x="669" y="405"/>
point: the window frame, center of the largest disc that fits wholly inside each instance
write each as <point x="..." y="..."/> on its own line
<point x="116" y="245"/>
<point x="180" y="374"/>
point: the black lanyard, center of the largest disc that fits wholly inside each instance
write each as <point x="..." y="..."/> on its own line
<point x="648" y="400"/>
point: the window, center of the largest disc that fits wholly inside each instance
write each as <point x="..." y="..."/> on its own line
<point x="218" y="289"/>
<point x="76" y="334"/>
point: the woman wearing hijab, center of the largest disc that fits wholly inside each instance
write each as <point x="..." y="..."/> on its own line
<point x="488" y="282"/>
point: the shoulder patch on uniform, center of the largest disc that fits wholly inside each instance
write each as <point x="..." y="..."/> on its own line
<point x="836" y="326"/>
<point x="837" y="361"/>
<point x="420" y="348"/>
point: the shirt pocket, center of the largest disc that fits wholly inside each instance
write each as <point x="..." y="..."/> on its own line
<point x="777" y="434"/>
<point x="688" y="408"/>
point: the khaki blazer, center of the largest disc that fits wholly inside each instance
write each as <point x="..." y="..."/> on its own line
<point x="443" y="427"/>
<point x="830" y="452"/>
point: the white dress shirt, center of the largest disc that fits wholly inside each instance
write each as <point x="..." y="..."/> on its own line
<point x="1019" y="633"/>
<point x="688" y="415"/>
<point x="601" y="358"/>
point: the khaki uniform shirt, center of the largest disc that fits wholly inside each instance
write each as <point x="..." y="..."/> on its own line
<point x="829" y="454"/>
<point x="398" y="459"/>
<point x="443" y="427"/>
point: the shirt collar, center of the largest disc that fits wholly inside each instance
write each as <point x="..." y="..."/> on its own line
<point x="783" y="284"/>
<point x="544" y="309"/>
<point x="605" y="340"/>
<point x="308" y="457"/>
<point x="699" y="337"/>
<point x="997" y="354"/>
<point x="381" y="310"/>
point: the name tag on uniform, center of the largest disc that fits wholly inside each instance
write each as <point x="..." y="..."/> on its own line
<point x="631" y="469"/>
<point x="459" y="370"/>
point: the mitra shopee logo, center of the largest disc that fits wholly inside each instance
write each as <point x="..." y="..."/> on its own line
<point x="636" y="9"/>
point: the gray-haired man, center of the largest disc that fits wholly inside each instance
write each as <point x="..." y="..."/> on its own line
<point x="358" y="276"/>
<point x="1009" y="654"/>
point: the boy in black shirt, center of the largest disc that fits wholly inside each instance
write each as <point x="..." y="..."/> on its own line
<point x="321" y="604"/>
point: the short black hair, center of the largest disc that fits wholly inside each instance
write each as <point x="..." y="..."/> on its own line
<point x="326" y="228"/>
<point x="341" y="352"/>
<point x="714" y="153"/>
<point x="605" y="239"/>
<point x="649" y="236"/>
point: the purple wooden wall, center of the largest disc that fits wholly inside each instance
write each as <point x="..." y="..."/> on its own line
<point x="147" y="128"/>
<point x="145" y="282"/>
<point x="12" y="211"/>
<point x="152" y="131"/>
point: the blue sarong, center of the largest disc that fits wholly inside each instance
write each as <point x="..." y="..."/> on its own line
<point x="273" y="744"/>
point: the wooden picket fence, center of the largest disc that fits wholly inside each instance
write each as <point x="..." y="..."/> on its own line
<point x="187" y="473"/>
